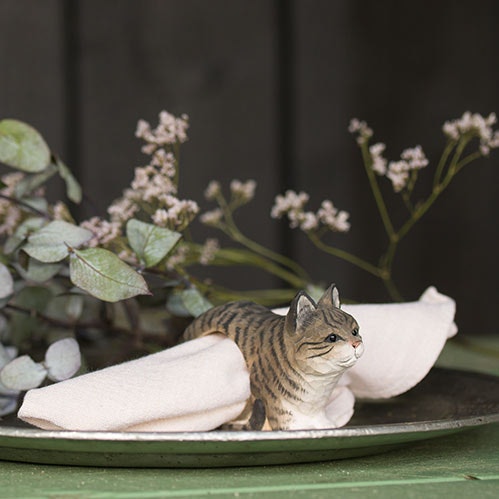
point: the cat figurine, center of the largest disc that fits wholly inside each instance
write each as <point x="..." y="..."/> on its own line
<point x="295" y="361"/>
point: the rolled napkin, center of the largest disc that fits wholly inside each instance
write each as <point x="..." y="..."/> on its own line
<point x="402" y="343"/>
<point x="198" y="385"/>
<point x="203" y="383"/>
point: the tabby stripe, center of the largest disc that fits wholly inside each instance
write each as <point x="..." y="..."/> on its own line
<point x="295" y="386"/>
<point x="280" y="387"/>
<point x="264" y="386"/>
<point x="284" y="356"/>
<point x="336" y="322"/>
<point x="237" y="334"/>
<point x="309" y="343"/>
<point x="320" y="354"/>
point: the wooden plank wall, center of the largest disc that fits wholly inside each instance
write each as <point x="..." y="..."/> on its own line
<point x="270" y="86"/>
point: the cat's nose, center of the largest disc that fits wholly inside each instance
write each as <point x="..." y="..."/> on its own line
<point x="358" y="348"/>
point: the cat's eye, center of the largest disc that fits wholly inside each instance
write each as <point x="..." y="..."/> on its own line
<point x="355" y="332"/>
<point x="331" y="338"/>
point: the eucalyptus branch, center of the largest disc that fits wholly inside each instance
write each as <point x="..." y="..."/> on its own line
<point x="74" y="325"/>
<point x="26" y="206"/>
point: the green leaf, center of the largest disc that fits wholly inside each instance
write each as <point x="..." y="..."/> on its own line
<point x="195" y="302"/>
<point x="37" y="271"/>
<point x="103" y="275"/>
<point x="31" y="182"/>
<point x="22" y="147"/>
<point x="74" y="306"/>
<point x="25" y="326"/>
<point x="150" y="242"/>
<point x="22" y="232"/>
<point x="175" y="306"/>
<point x="6" y="282"/>
<point x="63" y="359"/>
<point x="73" y="189"/>
<point x="22" y="374"/>
<point x="50" y="243"/>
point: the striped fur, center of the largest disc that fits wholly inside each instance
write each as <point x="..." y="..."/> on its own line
<point x="294" y="360"/>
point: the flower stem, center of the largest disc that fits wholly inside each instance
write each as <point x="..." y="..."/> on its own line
<point x="345" y="255"/>
<point x="378" y="197"/>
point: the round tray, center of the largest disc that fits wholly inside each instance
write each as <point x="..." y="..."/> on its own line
<point x="446" y="401"/>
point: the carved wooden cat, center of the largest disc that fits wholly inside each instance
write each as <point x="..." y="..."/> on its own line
<point x="294" y="361"/>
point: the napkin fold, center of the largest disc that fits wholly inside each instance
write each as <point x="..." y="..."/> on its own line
<point x="402" y="342"/>
<point x="203" y="383"/>
<point x="197" y="385"/>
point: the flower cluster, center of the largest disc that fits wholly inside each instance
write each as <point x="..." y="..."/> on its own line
<point x="292" y="205"/>
<point x="153" y="190"/>
<point x="104" y="232"/>
<point x="208" y="251"/>
<point x="241" y="193"/>
<point x="170" y="130"/>
<point x="474" y="125"/>
<point x="361" y="128"/>
<point x="398" y="172"/>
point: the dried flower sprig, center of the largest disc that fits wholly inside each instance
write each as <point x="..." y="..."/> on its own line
<point x="254" y="254"/>
<point x="403" y="173"/>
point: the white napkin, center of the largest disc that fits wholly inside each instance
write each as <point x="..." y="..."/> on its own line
<point x="201" y="384"/>
<point x="402" y="342"/>
<point x="198" y="385"/>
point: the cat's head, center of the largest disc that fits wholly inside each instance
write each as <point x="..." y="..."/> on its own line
<point x="325" y="339"/>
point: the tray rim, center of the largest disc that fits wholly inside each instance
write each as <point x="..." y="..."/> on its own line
<point x="427" y="426"/>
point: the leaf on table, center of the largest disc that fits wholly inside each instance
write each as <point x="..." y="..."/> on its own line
<point x="50" y="243"/>
<point x="22" y="147"/>
<point x="102" y="274"/>
<point x="150" y="242"/>
<point x="22" y="374"/>
<point x="6" y="282"/>
<point x="63" y="359"/>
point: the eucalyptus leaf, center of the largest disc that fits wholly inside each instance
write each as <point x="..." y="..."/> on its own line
<point x="8" y="405"/>
<point x="50" y="243"/>
<point x="74" y="306"/>
<point x="37" y="203"/>
<point x="22" y="147"/>
<point x="6" y="282"/>
<point x="195" y="302"/>
<point x="73" y="189"/>
<point x="31" y="182"/>
<point x="63" y="359"/>
<point x="6" y="355"/>
<point x="22" y="232"/>
<point x="175" y="306"/>
<point x="22" y="374"/>
<point x="103" y="275"/>
<point x="150" y="242"/>
<point x="37" y="271"/>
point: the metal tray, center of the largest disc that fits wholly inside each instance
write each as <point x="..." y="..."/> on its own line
<point x="446" y="401"/>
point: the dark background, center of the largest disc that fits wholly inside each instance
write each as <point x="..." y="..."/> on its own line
<point x="270" y="87"/>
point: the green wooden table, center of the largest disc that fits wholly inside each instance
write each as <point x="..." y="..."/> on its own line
<point x="462" y="465"/>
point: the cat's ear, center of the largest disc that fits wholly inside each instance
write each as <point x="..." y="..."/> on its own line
<point x="300" y="309"/>
<point x="330" y="298"/>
